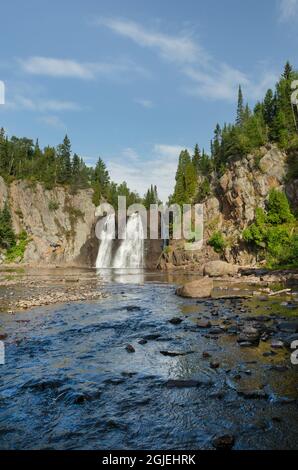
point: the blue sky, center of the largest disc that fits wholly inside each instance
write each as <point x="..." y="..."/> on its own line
<point x="135" y="81"/>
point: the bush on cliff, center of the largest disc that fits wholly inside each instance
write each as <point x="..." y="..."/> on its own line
<point x="274" y="231"/>
<point x="7" y="235"/>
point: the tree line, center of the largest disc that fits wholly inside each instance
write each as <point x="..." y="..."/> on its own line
<point x="272" y="120"/>
<point x="22" y="158"/>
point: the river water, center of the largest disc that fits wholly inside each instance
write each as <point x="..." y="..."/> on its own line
<point x="70" y="383"/>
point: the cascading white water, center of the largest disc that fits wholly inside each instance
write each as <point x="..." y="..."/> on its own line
<point x="104" y="256"/>
<point x="130" y="254"/>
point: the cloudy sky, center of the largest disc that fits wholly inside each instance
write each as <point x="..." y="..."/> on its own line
<point x="135" y="81"/>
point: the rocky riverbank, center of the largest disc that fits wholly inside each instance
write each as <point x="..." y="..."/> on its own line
<point x="24" y="289"/>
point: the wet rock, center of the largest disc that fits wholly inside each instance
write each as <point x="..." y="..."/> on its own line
<point x="253" y="394"/>
<point x="206" y="355"/>
<point x="199" y="289"/>
<point x="290" y="339"/>
<point x="175" y="320"/>
<point x="277" y="344"/>
<point x="3" y="336"/>
<point x="279" y="367"/>
<point x="220" y="268"/>
<point x="225" y="442"/>
<point x="269" y="353"/>
<point x="214" y="364"/>
<point x="151" y="336"/>
<point x="220" y="394"/>
<point x="216" y="331"/>
<point x="175" y="353"/>
<point x="249" y="334"/>
<point x="142" y="341"/>
<point x="129" y="348"/>
<point x="183" y="383"/>
<point x="133" y="308"/>
<point x="203" y="324"/>
<point x="288" y="327"/>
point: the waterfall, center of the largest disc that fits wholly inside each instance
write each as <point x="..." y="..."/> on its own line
<point x="131" y="251"/>
<point x="104" y="256"/>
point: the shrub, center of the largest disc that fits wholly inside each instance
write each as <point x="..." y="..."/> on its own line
<point x="274" y="231"/>
<point x="17" y="251"/>
<point x="53" y="206"/>
<point x="7" y="235"/>
<point x="217" y="242"/>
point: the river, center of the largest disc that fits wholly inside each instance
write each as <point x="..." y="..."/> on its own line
<point x="70" y="383"/>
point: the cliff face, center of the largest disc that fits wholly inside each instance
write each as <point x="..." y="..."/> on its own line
<point x="244" y="186"/>
<point x="59" y="224"/>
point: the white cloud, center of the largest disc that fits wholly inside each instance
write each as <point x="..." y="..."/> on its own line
<point x="174" y="48"/>
<point x="288" y="9"/>
<point x="67" y="68"/>
<point x="53" y="121"/>
<point x="208" y="77"/>
<point x="145" y="103"/>
<point x="159" y="169"/>
<point x="20" y="102"/>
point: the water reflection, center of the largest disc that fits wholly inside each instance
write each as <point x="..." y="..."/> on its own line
<point x="122" y="275"/>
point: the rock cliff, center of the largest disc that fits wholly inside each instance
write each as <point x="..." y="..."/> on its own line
<point x="235" y="196"/>
<point x="59" y="224"/>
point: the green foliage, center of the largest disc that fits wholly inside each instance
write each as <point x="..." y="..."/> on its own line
<point x="204" y="191"/>
<point x="7" y="235"/>
<point x="274" y="231"/>
<point x="186" y="180"/>
<point x="217" y="241"/>
<point x="272" y="120"/>
<point x="151" y="197"/>
<point x="17" y="251"/>
<point x="53" y="206"/>
<point x="20" y="158"/>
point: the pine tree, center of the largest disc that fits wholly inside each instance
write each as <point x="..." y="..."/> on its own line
<point x="240" y="108"/>
<point x="7" y="235"/>
<point x="64" y="166"/>
<point x="269" y="107"/>
<point x="196" y="159"/>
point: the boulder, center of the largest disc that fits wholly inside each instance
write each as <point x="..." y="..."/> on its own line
<point x="198" y="289"/>
<point x="220" y="268"/>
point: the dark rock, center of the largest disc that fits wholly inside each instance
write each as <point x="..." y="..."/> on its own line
<point x="175" y="353"/>
<point x="133" y="308"/>
<point x="129" y="348"/>
<point x="214" y="365"/>
<point x="142" y="341"/>
<point x="183" y="383"/>
<point x="151" y="336"/>
<point x="253" y="394"/>
<point x="3" y="336"/>
<point x="269" y="353"/>
<point x="225" y="442"/>
<point x="175" y="320"/>
<point x="288" y="327"/>
<point x="216" y="331"/>
<point x="249" y="334"/>
<point x="206" y="355"/>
